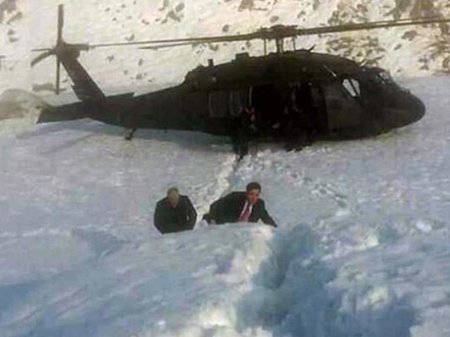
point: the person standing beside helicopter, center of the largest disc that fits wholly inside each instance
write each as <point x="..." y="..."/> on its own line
<point x="245" y="127"/>
<point x="298" y="126"/>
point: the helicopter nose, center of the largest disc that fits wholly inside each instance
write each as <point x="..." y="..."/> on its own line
<point x="411" y="111"/>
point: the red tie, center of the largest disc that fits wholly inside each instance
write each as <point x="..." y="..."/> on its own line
<point x="245" y="215"/>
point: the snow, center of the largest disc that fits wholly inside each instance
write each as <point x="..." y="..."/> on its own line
<point x="362" y="248"/>
<point x="19" y="111"/>
<point x="141" y="287"/>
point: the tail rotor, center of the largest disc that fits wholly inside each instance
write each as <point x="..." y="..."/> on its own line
<point x="59" y="47"/>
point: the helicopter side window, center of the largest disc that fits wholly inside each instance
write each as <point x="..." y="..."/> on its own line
<point x="218" y="103"/>
<point x="352" y="87"/>
<point x="239" y="100"/>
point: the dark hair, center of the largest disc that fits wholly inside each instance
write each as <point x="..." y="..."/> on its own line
<point x="254" y="186"/>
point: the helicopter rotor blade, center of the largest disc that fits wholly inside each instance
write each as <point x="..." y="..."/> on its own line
<point x="42" y="57"/>
<point x="41" y="49"/>
<point x="60" y="24"/>
<point x="274" y="33"/>
<point x="58" y="76"/>
<point x="80" y="46"/>
<point x="162" y="46"/>
<point x="370" y="26"/>
<point x="182" y="41"/>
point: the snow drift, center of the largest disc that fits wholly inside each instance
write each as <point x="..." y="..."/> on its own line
<point x="362" y="248"/>
<point x="19" y="111"/>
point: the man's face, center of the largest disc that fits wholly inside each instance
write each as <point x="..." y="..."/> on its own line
<point x="253" y="196"/>
<point x="174" y="199"/>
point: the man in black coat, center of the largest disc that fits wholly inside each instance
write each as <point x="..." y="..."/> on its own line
<point x="245" y="127"/>
<point x="175" y="213"/>
<point x="240" y="207"/>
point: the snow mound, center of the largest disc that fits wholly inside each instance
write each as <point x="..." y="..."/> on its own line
<point x="19" y="111"/>
<point x="180" y="285"/>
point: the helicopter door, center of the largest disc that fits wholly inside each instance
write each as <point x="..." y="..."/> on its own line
<point x="343" y="107"/>
<point x="267" y="101"/>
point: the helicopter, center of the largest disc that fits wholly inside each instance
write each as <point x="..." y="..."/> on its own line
<point x="289" y="92"/>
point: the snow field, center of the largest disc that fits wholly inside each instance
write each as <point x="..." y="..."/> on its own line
<point x="362" y="248"/>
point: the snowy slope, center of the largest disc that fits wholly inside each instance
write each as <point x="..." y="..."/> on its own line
<point x="14" y="45"/>
<point x="405" y="51"/>
<point x="362" y="248"/>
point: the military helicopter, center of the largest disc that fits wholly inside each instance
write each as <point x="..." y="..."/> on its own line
<point x="326" y="96"/>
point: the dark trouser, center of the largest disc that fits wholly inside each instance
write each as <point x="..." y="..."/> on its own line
<point x="297" y="137"/>
<point x="240" y="142"/>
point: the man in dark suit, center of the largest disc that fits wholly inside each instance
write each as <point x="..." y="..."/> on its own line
<point x="240" y="207"/>
<point x="245" y="127"/>
<point x="175" y="213"/>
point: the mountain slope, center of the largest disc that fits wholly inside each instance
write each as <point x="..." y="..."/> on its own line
<point x="14" y="45"/>
<point x="405" y="51"/>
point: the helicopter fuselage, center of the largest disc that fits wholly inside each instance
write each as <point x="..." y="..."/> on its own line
<point x="328" y="96"/>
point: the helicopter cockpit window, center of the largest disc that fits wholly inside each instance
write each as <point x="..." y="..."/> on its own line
<point x="352" y="87"/>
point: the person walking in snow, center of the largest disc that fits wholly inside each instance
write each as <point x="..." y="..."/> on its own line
<point x="240" y="207"/>
<point x="175" y="213"/>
